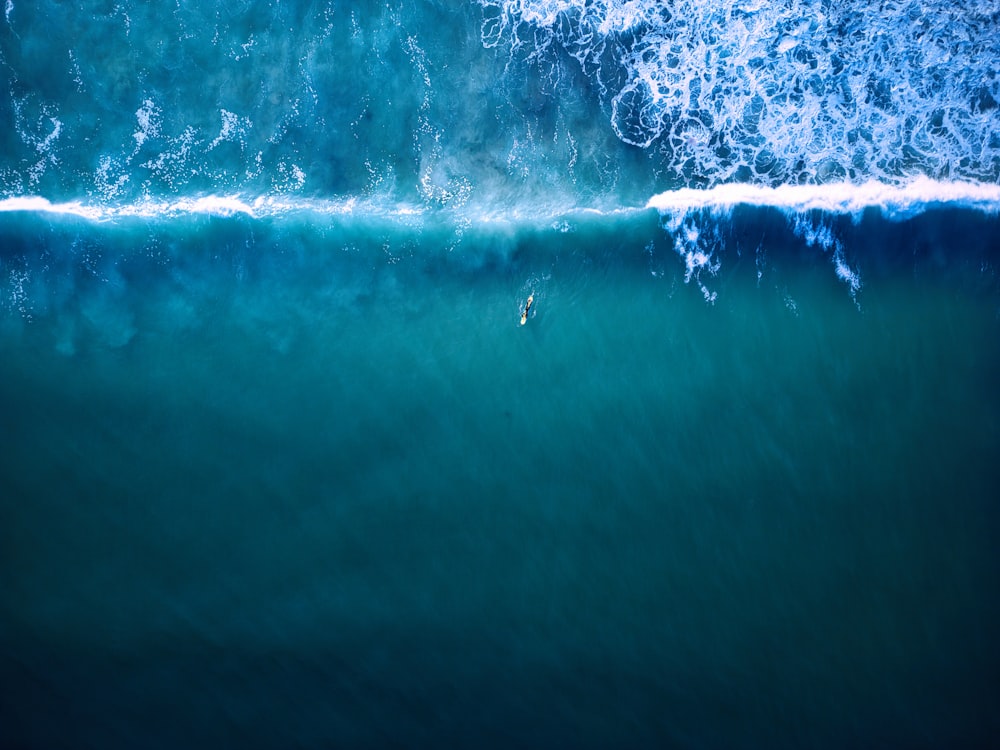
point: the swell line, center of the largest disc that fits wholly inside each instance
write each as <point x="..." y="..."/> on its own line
<point x="894" y="201"/>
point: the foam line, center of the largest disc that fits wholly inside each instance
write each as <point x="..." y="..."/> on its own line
<point x="839" y="198"/>
<point x="896" y="201"/>
<point x="360" y="210"/>
<point x="212" y="205"/>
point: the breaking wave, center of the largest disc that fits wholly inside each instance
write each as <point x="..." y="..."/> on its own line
<point x="892" y="200"/>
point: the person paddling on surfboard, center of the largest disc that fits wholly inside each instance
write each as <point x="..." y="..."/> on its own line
<point x="527" y="307"/>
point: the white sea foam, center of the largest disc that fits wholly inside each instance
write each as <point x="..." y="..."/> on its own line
<point x="111" y="178"/>
<point x="74" y="69"/>
<point x="785" y="92"/>
<point x="174" y="166"/>
<point x="37" y="204"/>
<point x="234" y="128"/>
<point x="817" y="232"/>
<point x="147" y="119"/>
<point x="681" y="210"/>
<point x="289" y="178"/>
<point x="896" y="201"/>
<point x="214" y="205"/>
<point x="43" y="145"/>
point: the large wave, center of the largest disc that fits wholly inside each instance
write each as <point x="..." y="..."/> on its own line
<point x="794" y="91"/>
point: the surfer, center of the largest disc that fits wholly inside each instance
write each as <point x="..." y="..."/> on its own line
<point x="527" y="307"/>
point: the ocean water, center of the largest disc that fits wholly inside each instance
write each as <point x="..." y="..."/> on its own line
<point x="287" y="459"/>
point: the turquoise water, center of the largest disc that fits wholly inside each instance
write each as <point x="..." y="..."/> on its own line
<point x="279" y="465"/>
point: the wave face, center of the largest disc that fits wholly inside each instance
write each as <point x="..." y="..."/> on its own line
<point x="783" y="92"/>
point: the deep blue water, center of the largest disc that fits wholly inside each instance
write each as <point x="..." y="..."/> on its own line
<point x="281" y="467"/>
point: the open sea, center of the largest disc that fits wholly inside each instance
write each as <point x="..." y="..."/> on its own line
<point x="513" y="373"/>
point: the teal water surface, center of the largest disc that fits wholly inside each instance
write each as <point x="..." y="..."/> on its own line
<point x="362" y="505"/>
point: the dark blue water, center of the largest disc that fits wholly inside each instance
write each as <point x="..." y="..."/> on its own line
<point x="281" y="467"/>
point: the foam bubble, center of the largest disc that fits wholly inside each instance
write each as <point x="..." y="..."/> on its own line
<point x="212" y="204"/>
<point x="41" y="135"/>
<point x="19" y="299"/>
<point x="234" y="128"/>
<point x="74" y="67"/>
<point x="290" y="177"/>
<point x="173" y="166"/>
<point x="111" y="178"/>
<point x="147" y="119"/>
